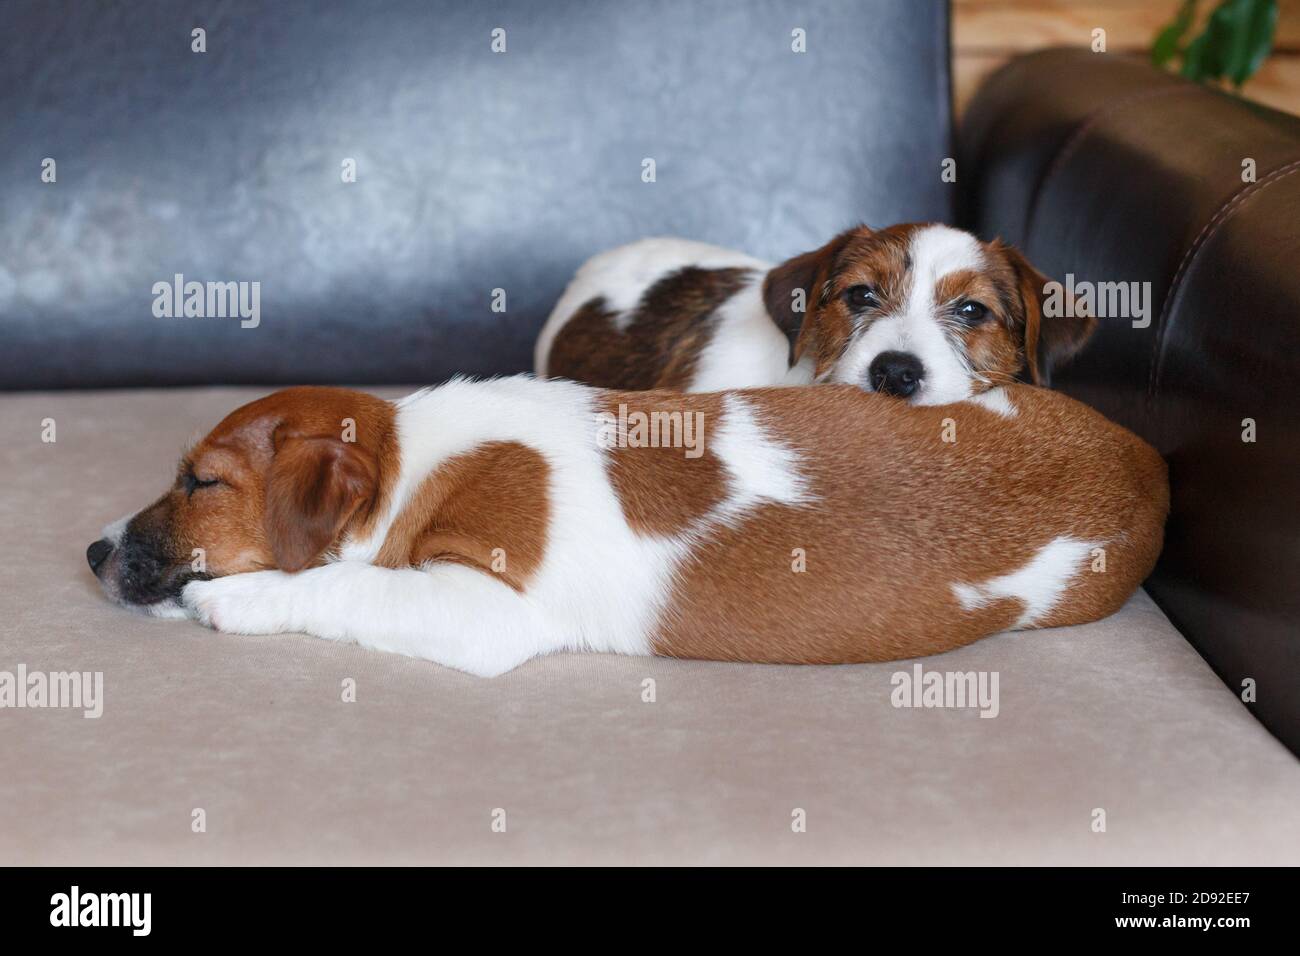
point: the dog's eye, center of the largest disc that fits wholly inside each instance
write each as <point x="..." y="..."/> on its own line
<point x="972" y="312"/>
<point x="190" y="482"/>
<point x="861" y="297"/>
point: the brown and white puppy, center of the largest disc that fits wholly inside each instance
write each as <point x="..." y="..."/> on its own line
<point x="479" y="524"/>
<point x="921" y="311"/>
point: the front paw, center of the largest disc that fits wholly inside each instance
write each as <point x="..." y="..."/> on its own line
<point x="253" y="603"/>
<point x="197" y="602"/>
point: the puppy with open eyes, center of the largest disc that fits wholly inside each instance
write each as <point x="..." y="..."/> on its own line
<point x="479" y="524"/>
<point x="923" y="312"/>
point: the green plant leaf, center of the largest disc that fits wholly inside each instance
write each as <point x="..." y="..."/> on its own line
<point x="1218" y="38"/>
<point x="1234" y="44"/>
<point x="1254" y="28"/>
<point x="1166" y="41"/>
<point x="1194" y="59"/>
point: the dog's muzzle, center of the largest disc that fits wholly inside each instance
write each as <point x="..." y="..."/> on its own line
<point x="896" y="373"/>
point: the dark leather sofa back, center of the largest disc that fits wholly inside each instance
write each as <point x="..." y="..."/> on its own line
<point x="476" y="170"/>
<point x="1107" y="169"/>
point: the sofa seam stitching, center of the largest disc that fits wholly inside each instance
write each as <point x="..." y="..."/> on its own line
<point x="1202" y="239"/>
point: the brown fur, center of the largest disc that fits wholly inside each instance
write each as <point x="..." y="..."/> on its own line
<point x="855" y="257"/>
<point x="316" y="485"/>
<point x="290" y="489"/>
<point x="287" y="484"/>
<point x="661" y="490"/>
<point x="494" y="497"/>
<point x="903" y="515"/>
<point x="1047" y="340"/>
<point x="791" y="292"/>
<point x="662" y="342"/>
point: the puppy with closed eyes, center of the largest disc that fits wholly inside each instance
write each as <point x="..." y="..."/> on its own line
<point x="921" y="311"/>
<point x="480" y="524"/>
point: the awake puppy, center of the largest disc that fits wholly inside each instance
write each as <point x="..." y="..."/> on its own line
<point x="921" y="311"/>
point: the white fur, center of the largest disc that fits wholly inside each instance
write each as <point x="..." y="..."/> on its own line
<point x="997" y="401"/>
<point x="760" y="468"/>
<point x="936" y="251"/>
<point x="746" y="350"/>
<point x="170" y="609"/>
<point x="801" y="373"/>
<point x="600" y="587"/>
<point x="113" y="532"/>
<point x="454" y="615"/>
<point x="1039" y="585"/>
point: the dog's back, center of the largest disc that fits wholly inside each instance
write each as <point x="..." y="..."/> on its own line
<point x="659" y="313"/>
<point x="925" y="529"/>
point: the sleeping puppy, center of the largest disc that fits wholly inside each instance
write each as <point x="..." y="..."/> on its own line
<point x="921" y="311"/>
<point x="479" y="524"/>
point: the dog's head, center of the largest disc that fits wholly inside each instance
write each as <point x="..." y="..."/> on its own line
<point x="922" y="311"/>
<point x="276" y="485"/>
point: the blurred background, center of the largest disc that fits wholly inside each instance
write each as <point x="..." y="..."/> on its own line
<point x="987" y="33"/>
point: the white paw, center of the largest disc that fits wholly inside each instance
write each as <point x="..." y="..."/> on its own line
<point x="253" y="603"/>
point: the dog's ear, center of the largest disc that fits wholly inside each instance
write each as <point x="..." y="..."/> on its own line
<point x="791" y="290"/>
<point x="1052" y="335"/>
<point x="315" y="486"/>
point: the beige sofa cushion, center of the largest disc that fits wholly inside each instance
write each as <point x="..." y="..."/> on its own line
<point x="1121" y="715"/>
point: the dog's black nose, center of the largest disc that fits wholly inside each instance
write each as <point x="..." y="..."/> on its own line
<point x="97" y="552"/>
<point x="896" y="373"/>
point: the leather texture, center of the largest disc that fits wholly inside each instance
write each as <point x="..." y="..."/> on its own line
<point x="1112" y="171"/>
<point x="475" y="170"/>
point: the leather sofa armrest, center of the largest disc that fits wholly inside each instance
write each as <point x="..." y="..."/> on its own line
<point x="1106" y="170"/>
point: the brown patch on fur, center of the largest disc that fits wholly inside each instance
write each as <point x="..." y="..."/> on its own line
<point x="859" y="256"/>
<point x="1045" y="341"/>
<point x="661" y="490"/>
<point x="290" y="489"/>
<point x="963" y="284"/>
<point x="315" y="486"/>
<point x="901" y="516"/>
<point x="994" y="347"/>
<point x="994" y="354"/>
<point x="288" y="486"/>
<point x="662" y="342"/>
<point x="805" y="276"/>
<point x="880" y="259"/>
<point x="494" y="497"/>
